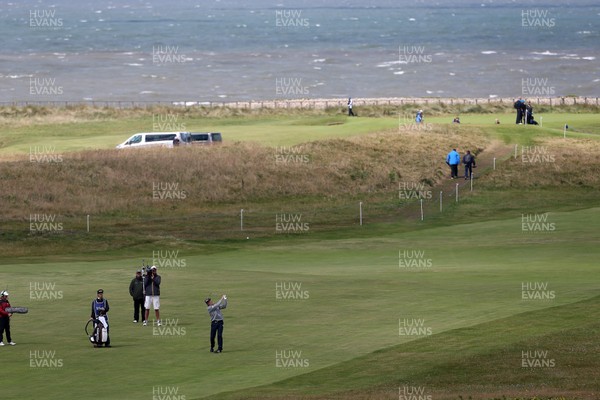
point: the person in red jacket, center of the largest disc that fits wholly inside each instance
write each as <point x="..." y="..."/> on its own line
<point x="5" y="319"/>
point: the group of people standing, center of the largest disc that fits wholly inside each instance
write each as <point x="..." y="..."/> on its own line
<point x="453" y="159"/>
<point x="524" y="112"/>
<point x="145" y="293"/>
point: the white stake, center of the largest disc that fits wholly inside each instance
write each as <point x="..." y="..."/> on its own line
<point x="494" y="163"/>
<point x="516" y="146"/>
<point x="88" y="222"/>
<point x="242" y="219"/>
<point x="441" y="197"/>
<point x="421" y="209"/>
<point x="565" y="132"/>
<point x="360" y="207"/>
<point x="471" y="181"/>
<point x="457" y="192"/>
<point x="541" y="122"/>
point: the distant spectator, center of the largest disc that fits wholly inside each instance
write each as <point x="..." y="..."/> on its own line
<point x="520" y="107"/>
<point x="497" y="121"/>
<point x="469" y="161"/>
<point x="453" y="159"/>
<point x="419" y="118"/>
<point x="456" y="120"/>
<point x="529" y="114"/>
<point x="350" y="104"/>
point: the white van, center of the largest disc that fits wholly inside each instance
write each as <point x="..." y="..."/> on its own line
<point x="205" y="138"/>
<point x="155" y="139"/>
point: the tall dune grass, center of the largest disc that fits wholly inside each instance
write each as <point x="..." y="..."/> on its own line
<point x="112" y="181"/>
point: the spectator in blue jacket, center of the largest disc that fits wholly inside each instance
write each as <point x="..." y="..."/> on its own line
<point x="453" y="159"/>
<point x="521" y="108"/>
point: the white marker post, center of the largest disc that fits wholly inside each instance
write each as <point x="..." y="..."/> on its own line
<point x="360" y="208"/>
<point x="457" y="192"/>
<point x="421" y="209"/>
<point x="541" y="122"/>
<point x="471" y="181"/>
<point x="516" y="147"/>
<point x="494" y="163"/>
<point x="88" y="223"/>
<point x="441" y="197"/>
<point x="565" y="131"/>
<point x="242" y="219"/>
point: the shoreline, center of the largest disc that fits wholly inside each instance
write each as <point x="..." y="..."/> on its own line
<point x="309" y="103"/>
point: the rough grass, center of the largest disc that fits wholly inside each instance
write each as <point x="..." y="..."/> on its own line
<point x="111" y="181"/>
<point x="550" y="162"/>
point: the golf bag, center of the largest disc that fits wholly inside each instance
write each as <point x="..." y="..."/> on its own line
<point x="17" y="310"/>
<point x="99" y="335"/>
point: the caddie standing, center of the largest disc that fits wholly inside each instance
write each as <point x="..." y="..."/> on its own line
<point x="100" y="307"/>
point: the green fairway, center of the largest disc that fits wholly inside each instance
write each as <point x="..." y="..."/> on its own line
<point x="69" y="134"/>
<point x="270" y="131"/>
<point x="335" y="311"/>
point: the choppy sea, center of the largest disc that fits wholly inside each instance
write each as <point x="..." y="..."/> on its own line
<point x="228" y="50"/>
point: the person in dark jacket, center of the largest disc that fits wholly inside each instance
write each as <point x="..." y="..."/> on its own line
<point x="520" y="106"/>
<point x="152" y="287"/>
<point x="100" y="307"/>
<point x="5" y="319"/>
<point x="469" y="161"/>
<point x="529" y="114"/>
<point x="136" y="291"/>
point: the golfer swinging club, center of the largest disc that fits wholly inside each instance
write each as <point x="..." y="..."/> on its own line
<point x="216" y="322"/>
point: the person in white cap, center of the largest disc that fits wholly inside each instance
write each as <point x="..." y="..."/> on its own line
<point x="152" y="287"/>
<point x="216" y="322"/>
<point x="5" y="319"/>
<point x="419" y="117"/>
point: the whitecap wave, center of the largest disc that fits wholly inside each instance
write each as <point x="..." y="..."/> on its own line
<point x="544" y="53"/>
